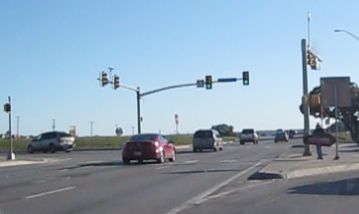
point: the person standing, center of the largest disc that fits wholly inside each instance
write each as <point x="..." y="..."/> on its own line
<point x="318" y="131"/>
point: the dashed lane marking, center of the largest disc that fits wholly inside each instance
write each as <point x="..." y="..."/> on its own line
<point x="37" y="195"/>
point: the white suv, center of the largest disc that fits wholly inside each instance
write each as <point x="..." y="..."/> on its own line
<point x="248" y="135"/>
<point x="52" y="142"/>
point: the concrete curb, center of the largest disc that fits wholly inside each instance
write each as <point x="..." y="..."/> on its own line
<point x="321" y="170"/>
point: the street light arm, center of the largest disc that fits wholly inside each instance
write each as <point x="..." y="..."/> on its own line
<point x="347" y="32"/>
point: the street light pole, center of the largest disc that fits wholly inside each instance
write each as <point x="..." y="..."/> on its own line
<point x="17" y="126"/>
<point x="347" y="32"/>
<point x="53" y="124"/>
<point x="138" y="95"/>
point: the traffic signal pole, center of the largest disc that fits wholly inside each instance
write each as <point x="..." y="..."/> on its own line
<point x="104" y="81"/>
<point x="305" y="98"/>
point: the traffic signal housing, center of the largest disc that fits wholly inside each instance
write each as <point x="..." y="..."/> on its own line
<point x="245" y="77"/>
<point x="104" y="79"/>
<point x="208" y="82"/>
<point x="7" y="108"/>
<point x="312" y="60"/>
<point x="116" y="82"/>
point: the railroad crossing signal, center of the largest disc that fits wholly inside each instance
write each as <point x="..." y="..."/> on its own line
<point x="208" y="82"/>
<point x="116" y="82"/>
<point x="245" y="77"/>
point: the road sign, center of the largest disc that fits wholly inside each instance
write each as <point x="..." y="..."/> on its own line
<point x="335" y="87"/>
<point x="200" y="83"/>
<point x="227" y="80"/>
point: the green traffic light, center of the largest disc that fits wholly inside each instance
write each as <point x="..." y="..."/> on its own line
<point x="208" y="82"/>
<point x="245" y="77"/>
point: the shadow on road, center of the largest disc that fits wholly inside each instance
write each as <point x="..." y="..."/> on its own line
<point x="340" y="187"/>
<point x="352" y="150"/>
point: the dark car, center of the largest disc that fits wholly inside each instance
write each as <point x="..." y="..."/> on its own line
<point x="280" y="135"/>
<point x="148" y="147"/>
<point x="52" y="142"/>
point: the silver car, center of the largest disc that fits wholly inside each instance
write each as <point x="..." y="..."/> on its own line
<point x="52" y="142"/>
<point x="207" y="139"/>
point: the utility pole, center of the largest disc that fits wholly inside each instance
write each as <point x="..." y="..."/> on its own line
<point x="53" y="124"/>
<point x="91" y="124"/>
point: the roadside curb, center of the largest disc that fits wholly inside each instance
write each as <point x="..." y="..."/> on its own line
<point x="321" y="170"/>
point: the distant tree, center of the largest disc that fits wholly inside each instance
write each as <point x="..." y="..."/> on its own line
<point x="224" y="129"/>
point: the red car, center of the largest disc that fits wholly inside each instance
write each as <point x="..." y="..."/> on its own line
<point x="148" y="147"/>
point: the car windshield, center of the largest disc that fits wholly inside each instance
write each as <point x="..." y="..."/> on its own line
<point x="247" y="131"/>
<point x="144" y="137"/>
<point x="203" y="134"/>
<point x="64" y="134"/>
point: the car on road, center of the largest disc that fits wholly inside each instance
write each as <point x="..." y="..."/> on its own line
<point x="148" y="147"/>
<point x="207" y="139"/>
<point x="52" y="142"/>
<point x="280" y="135"/>
<point x="248" y="135"/>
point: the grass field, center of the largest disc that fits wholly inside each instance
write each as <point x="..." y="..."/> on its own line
<point x="94" y="142"/>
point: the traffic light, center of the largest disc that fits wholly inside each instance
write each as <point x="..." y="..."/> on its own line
<point x="104" y="79"/>
<point x="116" y="82"/>
<point x="208" y="82"/>
<point x="7" y="107"/>
<point x="312" y="60"/>
<point x="245" y="77"/>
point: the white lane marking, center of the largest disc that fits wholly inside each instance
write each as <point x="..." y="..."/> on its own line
<point x="162" y="167"/>
<point x="202" y="197"/>
<point x="190" y="161"/>
<point x="50" y="192"/>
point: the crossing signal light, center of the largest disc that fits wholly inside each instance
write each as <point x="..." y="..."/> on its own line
<point x="245" y="77"/>
<point x="104" y="79"/>
<point x="208" y="82"/>
<point x="116" y="82"/>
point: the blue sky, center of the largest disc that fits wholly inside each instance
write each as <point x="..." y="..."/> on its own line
<point x="52" y="52"/>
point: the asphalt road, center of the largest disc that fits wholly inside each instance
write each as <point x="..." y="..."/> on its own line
<point x="97" y="182"/>
<point x="329" y="194"/>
